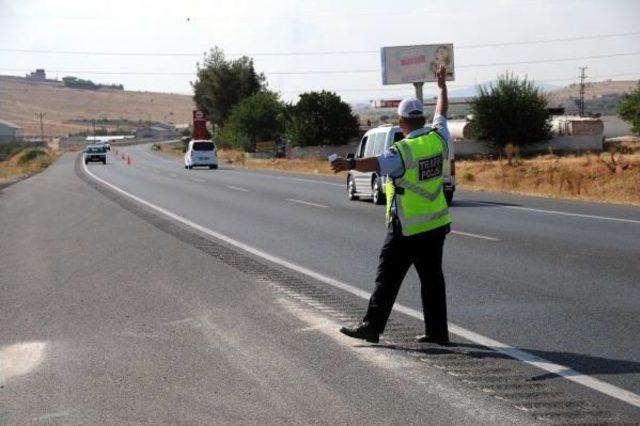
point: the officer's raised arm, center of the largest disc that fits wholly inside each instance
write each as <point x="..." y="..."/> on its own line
<point x="442" y="105"/>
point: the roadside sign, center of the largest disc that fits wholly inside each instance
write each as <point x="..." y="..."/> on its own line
<point x="199" y="125"/>
<point x="415" y="64"/>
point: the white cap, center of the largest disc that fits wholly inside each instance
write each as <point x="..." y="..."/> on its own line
<point x="410" y="107"/>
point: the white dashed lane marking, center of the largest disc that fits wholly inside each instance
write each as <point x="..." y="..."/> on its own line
<point x="237" y="188"/>
<point x="307" y="203"/>
<point x="482" y="237"/>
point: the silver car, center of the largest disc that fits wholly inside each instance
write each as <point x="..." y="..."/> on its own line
<point x="371" y="185"/>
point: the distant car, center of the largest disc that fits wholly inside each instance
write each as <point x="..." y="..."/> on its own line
<point x="371" y="185"/>
<point x="200" y="153"/>
<point x="107" y="146"/>
<point x="95" y="153"/>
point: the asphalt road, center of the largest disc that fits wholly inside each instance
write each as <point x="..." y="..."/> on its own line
<point x="106" y="319"/>
<point x="556" y="279"/>
<point x="563" y="286"/>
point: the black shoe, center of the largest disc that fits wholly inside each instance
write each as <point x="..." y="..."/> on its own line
<point x="363" y="331"/>
<point x="439" y="340"/>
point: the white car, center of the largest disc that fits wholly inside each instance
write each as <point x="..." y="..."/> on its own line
<point x="200" y="153"/>
<point x="371" y="185"/>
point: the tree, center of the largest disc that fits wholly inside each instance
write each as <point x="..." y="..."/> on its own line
<point x="221" y="84"/>
<point x="629" y="109"/>
<point x="513" y="112"/>
<point x="256" y="118"/>
<point x="321" y="118"/>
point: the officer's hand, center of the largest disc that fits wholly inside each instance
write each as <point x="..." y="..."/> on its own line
<point x="441" y="75"/>
<point x="339" y="165"/>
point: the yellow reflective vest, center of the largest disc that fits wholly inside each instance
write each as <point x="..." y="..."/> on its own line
<point x="418" y="195"/>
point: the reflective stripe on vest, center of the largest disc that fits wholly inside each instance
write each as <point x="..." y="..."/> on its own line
<point x="421" y="205"/>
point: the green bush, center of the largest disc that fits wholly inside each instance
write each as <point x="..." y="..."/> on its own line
<point x="629" y="109"/>
<point x="30" y="156"/>
<point x="512" y="111"/>
<point x="254" y="119"/>
<point x="468" y="177"/>
<point x="320" y="118"/>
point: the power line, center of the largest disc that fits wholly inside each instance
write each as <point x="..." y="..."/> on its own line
<point x="344" y="71"/>
<point x="410" y="89"/>
<point x="312" y="53"/>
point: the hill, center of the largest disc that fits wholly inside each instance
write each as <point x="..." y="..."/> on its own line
<point x="600" y="97"/>
<point x="71" y="110"/>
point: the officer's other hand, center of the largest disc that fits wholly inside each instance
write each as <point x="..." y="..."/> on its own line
<point x="339" y="165"/>
<point x="441" y="75"/>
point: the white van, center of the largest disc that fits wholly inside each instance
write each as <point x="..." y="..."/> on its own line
<point x="371" y="185"/>
<point x="200" y="153"/>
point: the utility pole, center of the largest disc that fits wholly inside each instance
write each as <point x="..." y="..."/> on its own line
<point x="41" y="115"/>
<point x="582" y="87"/>
<point x="94" y="130"/>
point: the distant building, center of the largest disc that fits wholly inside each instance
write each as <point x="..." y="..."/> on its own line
<point x="38" y="75"/>
<point x="10" y="132"/>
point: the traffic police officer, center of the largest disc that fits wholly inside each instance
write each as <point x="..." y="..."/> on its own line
<point x="417" y="217"/>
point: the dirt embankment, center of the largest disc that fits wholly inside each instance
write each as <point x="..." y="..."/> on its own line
<point x="603" y="177"/>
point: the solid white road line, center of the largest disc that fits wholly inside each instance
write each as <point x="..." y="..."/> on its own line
<point x="560" y="370"/>
<point x="557" y="212"/>
<point x="588" y="216"/>
<point x="306" y="203"/>
<point x="237" y="188"/>
<point x="482" y="237"/>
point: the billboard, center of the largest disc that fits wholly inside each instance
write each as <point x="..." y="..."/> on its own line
<point x="413" y="64"/>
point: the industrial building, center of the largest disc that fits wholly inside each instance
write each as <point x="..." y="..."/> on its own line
<point x="10" y="132"/>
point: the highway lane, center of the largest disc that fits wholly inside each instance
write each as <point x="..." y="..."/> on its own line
<point x="562" y="286"/>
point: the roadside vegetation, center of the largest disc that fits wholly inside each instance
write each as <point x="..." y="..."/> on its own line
<point x="23" y="162"/>
<point x="629" y="109"/>
<point x="604" y="177"/>
<point x="235" y="98"/>
<point x="510" y="114"/>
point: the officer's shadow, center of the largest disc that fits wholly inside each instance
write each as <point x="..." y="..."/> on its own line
<point x="577" y="364"/>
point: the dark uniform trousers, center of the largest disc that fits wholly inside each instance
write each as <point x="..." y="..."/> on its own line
<point x="398" y="253"/>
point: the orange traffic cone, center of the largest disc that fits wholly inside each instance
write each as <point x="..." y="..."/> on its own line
<point x="128" y="160"/>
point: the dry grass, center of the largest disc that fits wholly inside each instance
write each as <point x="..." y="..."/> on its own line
<point x="21" y="100"/>
<point x="307" y="166"/>
<point x="16" y="167"/>
<point x="606" y="177"/>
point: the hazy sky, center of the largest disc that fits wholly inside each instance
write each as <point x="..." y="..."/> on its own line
<point x="285" y="26"/>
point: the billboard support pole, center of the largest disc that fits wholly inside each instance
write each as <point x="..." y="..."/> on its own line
<point x="418" y="87"/>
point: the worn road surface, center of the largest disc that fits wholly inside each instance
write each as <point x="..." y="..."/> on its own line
<point x="111" y="312"/>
